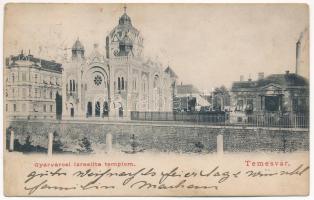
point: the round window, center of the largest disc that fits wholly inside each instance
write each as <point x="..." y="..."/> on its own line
<point x="97" y="80"/>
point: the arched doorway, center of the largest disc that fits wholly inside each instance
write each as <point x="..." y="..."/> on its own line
<point x="97" y="80"/>
<point x="121" y="111"/>
<point x="105" y="109"/>
<point x="89" y="109"/>
<point x="97" y="109"/>
<point x="72" y="112"/>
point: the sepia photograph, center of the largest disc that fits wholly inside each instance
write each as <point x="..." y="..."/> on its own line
<point x="132" y="99"/>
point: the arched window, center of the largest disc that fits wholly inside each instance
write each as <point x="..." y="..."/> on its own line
<point x="122" y="83"/>
<point x="156" y="81"/>
<point x="105" y="109"/>
<point x="70" y="85"/>
<point x="119" y="83"/>
<point x="97" y="109"/>
<point x="89" y="109"/>
<point x="73" y="85"/>
<point x="144" y="84"/>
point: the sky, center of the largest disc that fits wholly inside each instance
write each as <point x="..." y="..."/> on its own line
<point x="207" y="45"/>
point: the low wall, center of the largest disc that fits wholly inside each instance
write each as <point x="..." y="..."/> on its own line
<point x="162" y="137"/>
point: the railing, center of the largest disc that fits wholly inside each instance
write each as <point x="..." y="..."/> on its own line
<point x="283" y="120"/>
<point x="215" y="118"/>
<point x="288" y="120"/>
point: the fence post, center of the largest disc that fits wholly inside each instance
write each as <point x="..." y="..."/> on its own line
<point x="220" y="144"/>
<point x="50" y="143"/>
<point x="11" y="147"/>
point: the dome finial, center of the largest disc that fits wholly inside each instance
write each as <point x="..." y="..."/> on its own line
<point x="124" y="7"/>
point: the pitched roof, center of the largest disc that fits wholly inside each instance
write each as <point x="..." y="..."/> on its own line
<point x="187" y="89"/>
<point x="284" y="80"/>
<point x="77" y="45"/>
<point x="170" y="71"/>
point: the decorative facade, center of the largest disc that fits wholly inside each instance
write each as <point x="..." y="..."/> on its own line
<point x="114" y="84"/>
<point x="32" y="87"/>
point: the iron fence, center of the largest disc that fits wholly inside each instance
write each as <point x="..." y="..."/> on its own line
<point x="286" y="120"/>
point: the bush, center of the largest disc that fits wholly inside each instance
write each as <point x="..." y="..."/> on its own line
<point x="85" y="146"/>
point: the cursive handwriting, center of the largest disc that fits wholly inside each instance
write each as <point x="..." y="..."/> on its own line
<point x="210" y="178"/>
<point x="44" y="185"/>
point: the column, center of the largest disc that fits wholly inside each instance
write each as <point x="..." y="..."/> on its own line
<point x="108" y="142"/>
<point x="50" y="143"/>
<point x="101" y="108"/>
<point x="111" y="88"/>
<point x="220" y="144"/>
<point x="63" y="93"/>
<point x="93" y="108"/>
<point x="11" y="147"/>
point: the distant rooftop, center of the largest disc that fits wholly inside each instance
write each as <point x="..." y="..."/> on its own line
<point x="45" y="64"/>
<point x="284" y="80"/>
<point x="187" y="89"/>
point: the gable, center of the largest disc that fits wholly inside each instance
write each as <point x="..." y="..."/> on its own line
<point x="271" y="87"/>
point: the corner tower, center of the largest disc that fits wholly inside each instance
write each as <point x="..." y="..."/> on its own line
<point x="78" y="50"/>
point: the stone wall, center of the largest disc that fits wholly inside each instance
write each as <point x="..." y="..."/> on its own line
<point x="162" y="137"/>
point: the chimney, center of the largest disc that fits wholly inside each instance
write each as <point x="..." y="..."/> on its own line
<point x="250" y="79"/>
<point x="260" y="75"/>
<point x="297" y="59"/>
<point x="298" y="52"/>
<point x="241" y="78"/>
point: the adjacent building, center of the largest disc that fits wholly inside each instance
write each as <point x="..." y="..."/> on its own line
<point x="115" y="83"/>
<point x="285" y="96"/>
<point x="277" y="93"/>
<point x="188" y="98"/>
<point x="32" y="87"/>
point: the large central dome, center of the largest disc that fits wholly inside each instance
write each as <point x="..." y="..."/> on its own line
<point x="124" y="38"/>
<point x="125" y="20"/>
<point x="124" y="28"/>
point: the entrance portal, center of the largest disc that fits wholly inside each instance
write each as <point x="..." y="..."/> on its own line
<point x="72" y="112"/>
<point x="89" y="109"/>
<point x="272" y="103"/>
<point x="121" y="112"/>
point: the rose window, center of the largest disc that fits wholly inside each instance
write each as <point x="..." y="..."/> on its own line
<point x="97" y="80"/>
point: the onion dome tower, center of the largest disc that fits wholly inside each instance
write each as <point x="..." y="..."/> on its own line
<point x="124" y="39"/>
<point x="78" y="50"/>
